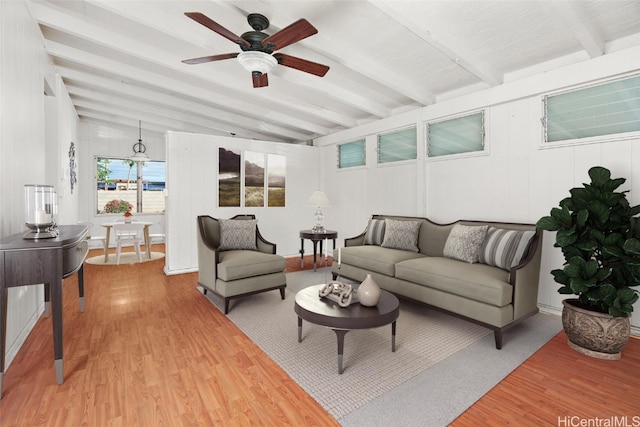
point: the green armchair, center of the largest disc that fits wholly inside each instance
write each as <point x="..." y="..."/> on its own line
<point x="231" y="265"/>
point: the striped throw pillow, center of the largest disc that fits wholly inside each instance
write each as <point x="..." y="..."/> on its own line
<point x="505" y="248"/>
<point x="375" y="232"/>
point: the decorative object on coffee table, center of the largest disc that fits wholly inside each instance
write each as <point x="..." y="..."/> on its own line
<point x="369" y="292"/>
<point x="340" y="293"/>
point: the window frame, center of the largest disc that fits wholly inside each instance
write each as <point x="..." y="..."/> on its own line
<point x="98" y="209"/>
<point x="396" y="162"/>
<point x="485" y="144"/>
<point x="364" y="154"/>
<point x="544" y="144"/>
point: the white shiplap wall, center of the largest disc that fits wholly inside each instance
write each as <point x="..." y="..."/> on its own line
<point x="192" y="177"/>
<point x="518" y="180"/>
<point x="34" y="134"/>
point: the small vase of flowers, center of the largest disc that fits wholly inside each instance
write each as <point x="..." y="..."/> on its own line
<point x="127" y="217"/>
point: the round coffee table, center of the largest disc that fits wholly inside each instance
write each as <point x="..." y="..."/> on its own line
<point x="324" y="312"/>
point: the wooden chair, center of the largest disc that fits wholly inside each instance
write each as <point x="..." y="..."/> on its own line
<point x="128" y="234"/>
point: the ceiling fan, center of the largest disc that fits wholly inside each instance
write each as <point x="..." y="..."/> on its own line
<point x="257" y="47"/>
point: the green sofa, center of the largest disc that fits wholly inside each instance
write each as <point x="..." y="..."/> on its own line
<point x="495" y="297"/>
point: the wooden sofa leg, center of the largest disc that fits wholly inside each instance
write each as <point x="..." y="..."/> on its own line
<point x="498" y="337"/>
<point x="282" y="293"/>
<point x="226" y="305"/>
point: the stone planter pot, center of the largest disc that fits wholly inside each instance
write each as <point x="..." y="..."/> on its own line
<point x="593" y="333"/>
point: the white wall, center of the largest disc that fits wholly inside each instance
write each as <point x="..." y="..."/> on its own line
<point x="100" y="139"/>
<point x="192" y="179"/>
<point x="28" y="153"/>
<point x="517" y="181"/>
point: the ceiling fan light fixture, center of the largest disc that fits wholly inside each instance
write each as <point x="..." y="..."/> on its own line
<point x="256" y="61"/>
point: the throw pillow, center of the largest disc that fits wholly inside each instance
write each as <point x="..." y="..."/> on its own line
<point x="238" y="234"/>
<point x="464" y="242"/>
<point x="505" y="248"/>
<point x="401" y="234"/>
<point x="375" y="232"/>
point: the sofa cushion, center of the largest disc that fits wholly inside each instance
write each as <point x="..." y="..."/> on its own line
<point x="464" y="242"/>
<point x="238" y="234"/>
<point x="505" y="248"/>
<point x="478" y="282"/>
<point x="402" y="235"/>
<point x="375" y="258"/>
<point x="240" y="264"/>
<point x="375" y="232"/>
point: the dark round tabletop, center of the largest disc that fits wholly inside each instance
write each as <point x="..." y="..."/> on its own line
<point x="313" y="235"/>
<point x="322" y="311"/>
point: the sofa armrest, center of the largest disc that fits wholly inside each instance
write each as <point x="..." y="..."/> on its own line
<point x="263" y="244"/>
<point x="208" y="257"/>
<point x="355" y="241"/>
<point x="525" y="278"/>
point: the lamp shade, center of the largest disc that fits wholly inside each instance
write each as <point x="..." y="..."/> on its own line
<point x="319" y="200"/>
<point x="139" y="150"/>
<point x="139" y="157"/>
<point x="257" y="61"/>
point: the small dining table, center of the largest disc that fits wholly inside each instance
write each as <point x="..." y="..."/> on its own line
<point x="147" y="240"/>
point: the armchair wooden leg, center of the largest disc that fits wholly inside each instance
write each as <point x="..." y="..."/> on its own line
<point x="282" y="293"/>
<point x="226" y="305"/>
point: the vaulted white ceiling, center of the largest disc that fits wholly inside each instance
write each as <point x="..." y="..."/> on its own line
<point x="121" y="60"/>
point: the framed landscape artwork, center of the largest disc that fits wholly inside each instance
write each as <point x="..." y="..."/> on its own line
<point x="228" y="177"/>
<point x="260" y="179"/>
<point x="276" y="178"/>
<point x="253" y="179"/>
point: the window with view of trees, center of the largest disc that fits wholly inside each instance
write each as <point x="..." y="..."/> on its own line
<point x="125" y="185"/>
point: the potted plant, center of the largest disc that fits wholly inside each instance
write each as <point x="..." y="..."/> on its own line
<point x="599" y="234"/>
<point x="127" y="216"/>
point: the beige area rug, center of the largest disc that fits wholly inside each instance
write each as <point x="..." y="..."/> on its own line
<point x="125" y="258"/>
<point x="423" y="338"/>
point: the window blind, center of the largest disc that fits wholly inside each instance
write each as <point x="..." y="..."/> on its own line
<point x="455" y="136"/>
<point x="351" y="154"/>
<point x="397" y="146"/>
<point x="605" y="109"/>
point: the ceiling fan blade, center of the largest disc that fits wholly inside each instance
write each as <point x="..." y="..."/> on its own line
<point x="301" y="64"/>
<point x="259" y="79"/>
<point x="214" y="26"/>
<point x="210" y="58"/>
<point x="295" y="32"/>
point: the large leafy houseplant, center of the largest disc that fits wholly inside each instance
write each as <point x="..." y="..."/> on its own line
<point x="599" y="234"/>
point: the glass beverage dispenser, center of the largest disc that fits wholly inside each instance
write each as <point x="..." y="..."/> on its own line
<point x="41" y="211"/>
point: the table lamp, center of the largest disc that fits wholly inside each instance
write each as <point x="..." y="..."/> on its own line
<point x="319" y="200"/>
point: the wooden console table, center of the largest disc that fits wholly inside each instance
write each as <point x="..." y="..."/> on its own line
<point x="30" y="262"/>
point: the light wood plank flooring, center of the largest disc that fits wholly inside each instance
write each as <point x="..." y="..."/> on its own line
<point x="151" y="350"/>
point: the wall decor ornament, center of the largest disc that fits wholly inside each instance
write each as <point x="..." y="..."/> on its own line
<point x="73" y="176"/>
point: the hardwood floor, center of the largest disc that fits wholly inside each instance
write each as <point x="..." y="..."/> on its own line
<point x="150" y="350"/>
<point x="558" y="386"/>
